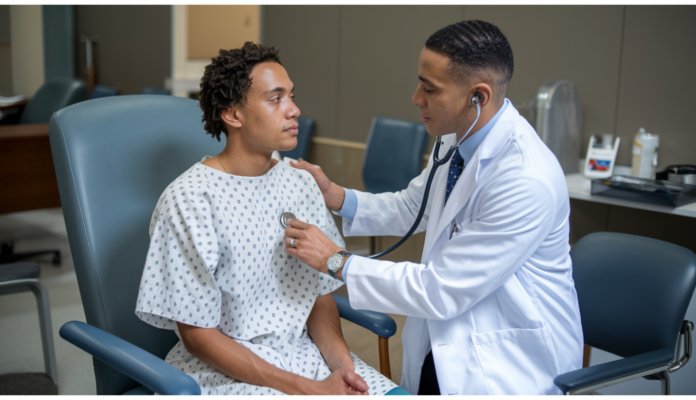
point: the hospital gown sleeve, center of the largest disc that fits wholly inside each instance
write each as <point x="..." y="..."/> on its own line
<point x="178" y="282"/>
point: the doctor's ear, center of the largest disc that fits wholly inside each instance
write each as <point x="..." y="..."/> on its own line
<point x="231" y="117"/>
<point x="482" y="94"/>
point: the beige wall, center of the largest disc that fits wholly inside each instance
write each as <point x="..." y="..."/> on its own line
<point x="27" y="49"/>
<point x="657" y="80"/>
<point x="211" y="28"/>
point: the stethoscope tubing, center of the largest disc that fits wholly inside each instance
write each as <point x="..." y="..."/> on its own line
<point x="437" y="162"/>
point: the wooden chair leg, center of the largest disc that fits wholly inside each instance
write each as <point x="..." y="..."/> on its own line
<point x="586" y="356"/>
<point x="384" y="366"/>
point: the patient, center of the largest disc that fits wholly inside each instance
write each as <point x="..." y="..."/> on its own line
<point x="251" y="319"/>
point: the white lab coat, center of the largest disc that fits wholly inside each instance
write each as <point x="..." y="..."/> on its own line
<point x="496" y="301"/>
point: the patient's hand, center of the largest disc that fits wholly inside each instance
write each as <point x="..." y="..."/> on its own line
<point x="333" y="194"/>
<point x="342" y="382"/>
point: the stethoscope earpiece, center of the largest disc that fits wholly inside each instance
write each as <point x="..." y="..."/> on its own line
<point x="476" y="99"/>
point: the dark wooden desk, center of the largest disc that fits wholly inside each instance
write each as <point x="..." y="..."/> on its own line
<point x="19" y="104"/>
<point x="27" y="177"/>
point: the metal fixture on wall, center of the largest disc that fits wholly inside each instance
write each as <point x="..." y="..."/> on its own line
<point x="558" y="121"/>
<point x="91" y="72"/>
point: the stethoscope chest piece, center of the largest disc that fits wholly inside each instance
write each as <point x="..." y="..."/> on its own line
<point x="286" y="218"/>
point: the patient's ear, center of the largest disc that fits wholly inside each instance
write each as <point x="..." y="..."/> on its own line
<point x="231" y="117"/>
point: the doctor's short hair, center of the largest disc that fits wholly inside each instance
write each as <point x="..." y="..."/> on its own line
<point x="226" y="82"/>
<point x="475" y="47"/>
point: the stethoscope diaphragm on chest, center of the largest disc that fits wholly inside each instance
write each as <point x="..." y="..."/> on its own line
<point x="286" y="218"/>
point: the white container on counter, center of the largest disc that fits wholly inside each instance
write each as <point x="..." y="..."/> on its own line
<point x="645" y="146"/>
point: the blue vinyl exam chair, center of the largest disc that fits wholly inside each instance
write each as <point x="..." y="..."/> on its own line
<point x="113" y="157"/>
<point x="633" y="293"/>
<point x="51" y="97"/>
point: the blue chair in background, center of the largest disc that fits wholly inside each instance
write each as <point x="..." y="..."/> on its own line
<point x="393" y="157"/>
<point x="154" y="90"/>
<point x="51" y="97"/>
<point x="99" y="91"/>
<point x="633" y="293"/>
<point x="107" y="204"/>
<point x="306" y="130"/>
<point x="394" y="154"/>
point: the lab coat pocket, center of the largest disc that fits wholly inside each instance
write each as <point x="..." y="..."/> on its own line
<point x="516" y="361"/>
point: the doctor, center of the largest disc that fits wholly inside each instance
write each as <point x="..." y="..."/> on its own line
<point x="492" y="307"/>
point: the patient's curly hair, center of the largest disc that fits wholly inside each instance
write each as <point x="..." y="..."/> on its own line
<point x="226" y="82"/>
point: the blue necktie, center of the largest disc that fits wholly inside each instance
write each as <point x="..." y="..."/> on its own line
<point x="455" y="170"/>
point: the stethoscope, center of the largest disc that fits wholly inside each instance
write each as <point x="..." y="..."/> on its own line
<point x="287" y="217"/>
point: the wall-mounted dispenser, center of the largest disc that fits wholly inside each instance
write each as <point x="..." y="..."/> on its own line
<point x="558" y="121"/>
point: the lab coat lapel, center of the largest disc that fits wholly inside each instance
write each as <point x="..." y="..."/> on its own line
<point x="466" y="184"/>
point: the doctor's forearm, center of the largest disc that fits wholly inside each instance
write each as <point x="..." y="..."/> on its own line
<point x="324" y="327"/>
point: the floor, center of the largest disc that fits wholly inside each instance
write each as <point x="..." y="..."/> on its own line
<point x="21" y="349"/>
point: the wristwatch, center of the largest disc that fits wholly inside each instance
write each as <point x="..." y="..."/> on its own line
<point x="335" y="262"/>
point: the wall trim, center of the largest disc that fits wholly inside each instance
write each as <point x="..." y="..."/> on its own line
<point x="351" y="145"/>
<point x="340" y="143"/>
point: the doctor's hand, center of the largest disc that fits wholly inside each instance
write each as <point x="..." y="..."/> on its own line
<point x="333" y="194"/>
<point x="310" y="245"/>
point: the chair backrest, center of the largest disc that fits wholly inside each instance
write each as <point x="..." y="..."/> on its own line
<point x="633" y="291"/>
<point x="113" y="158"/>
<point x="51" y="97"/>
<point x="305" y="131"/>
<point x="154" y="90"/>
<point x="394" y="154"/>
<point x="99" y="91"/>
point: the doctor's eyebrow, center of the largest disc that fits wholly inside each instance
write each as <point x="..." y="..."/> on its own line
<point x="278" y="90"/>
<point x="425" y="80"/>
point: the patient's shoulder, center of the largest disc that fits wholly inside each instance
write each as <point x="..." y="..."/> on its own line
<point x="191" y="187"/>
<point x="300" y="176"/>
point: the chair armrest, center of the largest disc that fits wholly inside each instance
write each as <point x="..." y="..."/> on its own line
<point x="381" y="324"/>
<point x="151" y="371"/>
<point x="610" y="371"/>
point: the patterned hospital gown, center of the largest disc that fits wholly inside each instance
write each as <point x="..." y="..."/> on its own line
<point x="217" y="259"/>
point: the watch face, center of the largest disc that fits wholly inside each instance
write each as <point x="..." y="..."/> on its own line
<point x="335" y="262"/>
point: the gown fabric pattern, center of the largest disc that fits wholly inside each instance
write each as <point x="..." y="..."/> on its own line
<point x="217" y="259"/>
